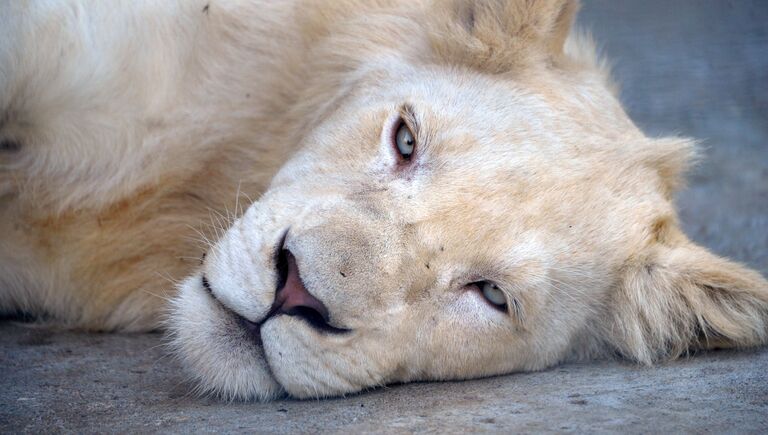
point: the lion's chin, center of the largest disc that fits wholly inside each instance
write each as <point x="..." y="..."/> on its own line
<point x="222" y="357"/>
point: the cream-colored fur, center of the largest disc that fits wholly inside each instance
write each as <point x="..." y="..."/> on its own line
<point x="128" y="127"/>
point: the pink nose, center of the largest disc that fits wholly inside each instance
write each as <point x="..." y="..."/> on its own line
<point x="293" y="297"/>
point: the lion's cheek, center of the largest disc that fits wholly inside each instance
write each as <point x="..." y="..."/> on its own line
<point x="310" y="364"/>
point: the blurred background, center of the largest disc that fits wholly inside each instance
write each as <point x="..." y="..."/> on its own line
<point x="699" y="68"/>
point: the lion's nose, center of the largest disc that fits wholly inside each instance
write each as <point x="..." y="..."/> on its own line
<point x="292" y="297"/>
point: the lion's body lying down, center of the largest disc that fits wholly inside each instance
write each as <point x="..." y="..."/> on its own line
<point x="459" y="192"/>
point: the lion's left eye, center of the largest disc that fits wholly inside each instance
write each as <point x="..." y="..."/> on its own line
<point x="493" y="294"/>
<point x="404" y="141"/>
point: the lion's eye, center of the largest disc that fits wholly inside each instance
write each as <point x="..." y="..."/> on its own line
<point x="493" y="294"/>
<point x="404" y="141"/>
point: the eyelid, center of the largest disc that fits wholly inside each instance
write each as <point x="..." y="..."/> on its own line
<point x="408" y="116"/>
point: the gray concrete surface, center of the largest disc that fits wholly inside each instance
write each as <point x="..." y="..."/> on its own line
<point x="124" y="383"/>
<point x="689" y="67"/>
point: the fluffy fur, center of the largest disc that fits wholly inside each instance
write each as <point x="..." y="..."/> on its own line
<point x="127" y="127"/>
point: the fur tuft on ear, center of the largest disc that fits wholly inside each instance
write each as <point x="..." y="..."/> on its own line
<point x="675" y="299"/>
<point x="496" y="36"/>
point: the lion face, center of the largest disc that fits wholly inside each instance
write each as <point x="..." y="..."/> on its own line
<point x="440" y="222"/>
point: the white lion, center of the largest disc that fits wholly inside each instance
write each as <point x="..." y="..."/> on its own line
<point x="444" y="190"/>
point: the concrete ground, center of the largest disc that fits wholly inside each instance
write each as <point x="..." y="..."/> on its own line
<point x="689" y="67"/>
<point x="124" y="383"/>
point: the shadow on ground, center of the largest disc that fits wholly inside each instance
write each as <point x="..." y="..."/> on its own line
<point x="694" y="68"/>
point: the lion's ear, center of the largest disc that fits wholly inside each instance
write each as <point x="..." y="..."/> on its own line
<point x="676" y="298"/>
<point x="496" y="36"/>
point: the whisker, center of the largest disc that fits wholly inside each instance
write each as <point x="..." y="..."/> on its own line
<point x="165" y="298"/>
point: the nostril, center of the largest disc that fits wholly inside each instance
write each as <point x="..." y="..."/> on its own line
<point x="294" y="299"/>
<point x="292" y="294"/>
<point x="282" y="268"/>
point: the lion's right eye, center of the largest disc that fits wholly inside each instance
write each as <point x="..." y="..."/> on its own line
<point x="493" y="294"/>
<point x="405" y="142"/>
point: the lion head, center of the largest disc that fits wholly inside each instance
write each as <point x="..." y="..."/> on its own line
<point x="468" y="198"/>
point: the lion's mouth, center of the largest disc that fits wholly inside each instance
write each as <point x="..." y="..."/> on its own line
<point x="291" y="299"/>
<point x="253" y="329"/>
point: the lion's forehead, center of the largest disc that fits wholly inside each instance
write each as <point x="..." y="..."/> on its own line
<point x="496" y="109"/>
